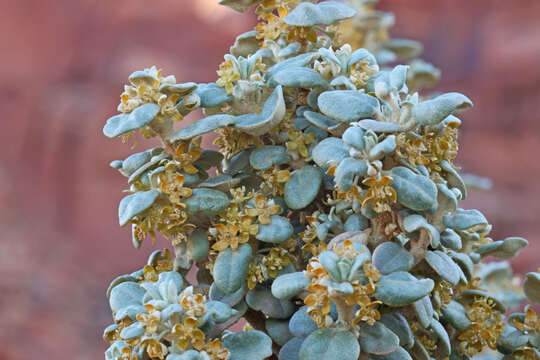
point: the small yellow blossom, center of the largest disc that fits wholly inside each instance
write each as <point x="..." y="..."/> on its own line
<point x="531" y="323"/>
<point x="150" y="320"/>
<point x="368" y="313"/>
<point x="227" y="236"/>
<point x="271" y="27"/>
<point x="276" y="260"/>
<point x="299" y="141"/>
<point x="228" y="74"/>
<point x="347" y="250"/>
<point x="274" y="180"/>
<point x="185" y="157"/>
<point x="214" y="349"/>
<point x="360" y="73"/>
<point x="379" y="193"/>
<point x="302" y="34"/>
<point x="188" y="332"/>
<point x="255" y="274"/>
<point x="262" y="210"/>
<point x="174" y="187"/>
<point x="154" y="348"/>
<point x="231" y="141"/>
<point x="192" y="303"/>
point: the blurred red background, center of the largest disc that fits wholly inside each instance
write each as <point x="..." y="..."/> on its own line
<point x="64" y="64"/>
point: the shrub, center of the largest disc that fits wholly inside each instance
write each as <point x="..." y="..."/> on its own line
<point x="329" y="217"/>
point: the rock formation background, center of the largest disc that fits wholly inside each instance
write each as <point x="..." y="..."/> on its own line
<point x="64" y="64"/>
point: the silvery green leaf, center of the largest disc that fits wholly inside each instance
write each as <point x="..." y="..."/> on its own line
<point x="272" y="113"/>
<point x="324" y="344"/>
<point x="299" y="77"/>
<point x="329" y="260"/>
<point x="115" y="351"/>
<point x="297" y="61"/>
<point x="444" y="266"/>
<point x="511" y="340"/>
<point x="447" y="204"/>
<point x="141" y="77"/>
<point x="356" y="222"/>
<point x="245" y="44"/>
<point x="278" y="331"/>
<point x="203" y="126"/>
<point x="347" y="170"/>
<point x="326" y="13"/>
<point x="174" y="277"/>
<point x="362" y="55"/>
<point x="265" y="157"/>
<point x="130" y="312"/>
<point x="239" y="5"/>
<point x="387" y="146"/>
<point x="385" y="56"/>
<point x="419" y="352"/>
<point x="133" y="331"/>
<point x="123" y="123"/>
<point x="401" y="288"/>
<point x="453" y="178"/>
<point x="416" y="222"/>
<point x="424" y="311"/>
<point x="342" y="81"/>
<point x="290" y="50"/>
<point x="134" y="204"/>
<point x="330" y="152"/>
<point x="208" y="159"/>
<point x="469" y="295"/>
<point x="389" y="257"/>
<point x="206" y="201"/>
<point x="219" y="311"/>
<point x="238" y="163"/>
<point x="301" y="324"/>
<point x="109" y="332"/>
<point x="171" y="310"/>
<point x="230" y="269"/>
<point x="143" y="170"/>
<point x="347" y="105"/>
<point x="423" y="74"/>
<point x="386" y="81"/>
<point x="211" y="95"/>
<point x="231" y="299"/>
<point x="441" y="333"/>
<point x="531" y="287"/>
<point x="451" y="240"/>
<point x="354" y="136"/>
<point x="303" y="187"/>
<point x="379" y="126"/>
<point x="456" y="315"/>
<point x="125" y="294"/>
<point x="503" y="249"/>
<point x="116" y="164"/>
<point x="118" y="280"/>
<point x="417" y="192"/>
<point x="251" y="344"/>
<point x="288" y="285"/>
<point x="133" y="162"/>
<point x="324" y="122"/>
<point x="404" y="48"/>
<point x="279" y="230"/>
<point x="398" y="324"/>
<point x="261" y="299"/>
<point x="465" y="263"/>
<point x="399" y="354"/>
<point x="432" y="112"/>
<point x="197" y="245"/>
<point x="291" y="350"/>
<point x="464" y="219"/>
<point x="377" y="339"/>
<point x="180" y="89"/>
<point x="187" y="355"/>
<point x="320" y="133"/>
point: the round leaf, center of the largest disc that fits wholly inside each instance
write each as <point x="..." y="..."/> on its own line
<point x="415" y="191"/>
<point x="279" y="230"/>
<point x="135" y="204"/>
<point x="401" y="288"/>
<point x="324" y="344"/>
<point x="123" y="123"/>
<point x="330" y="152"/>
<point x="347" y="105"/>
<point x="267" y="156"/>
<point x="377" y="339"/>
<point x="303" y="187"/>
<point x="206" y="201"/>
<point x="444" y="266"/>
<point x="299" y="77"/>
<point x="252" y="345"/>
<point x="389" y="257"/>
<point x="230" y="269"/>
<point x="326" y="13"/>
<point x="531" y="287"/>
<point x="126" y="294"/>
<point x="432" y="112"/>
<point x="288" y="285"/>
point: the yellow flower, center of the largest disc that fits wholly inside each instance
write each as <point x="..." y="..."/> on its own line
<point x="361" y="294"/>
<point x="154" y="348"/>
<point x="174" y="187"/>
<point x="274" y="180"/>
<point x="128" y="354"/>
<point x="298" y="141"/>
<point x="371" y="272"/>
<point x="368" y="313"/>
<point x="302" y="34"/>
<point x="379" y="193"/>
<point x="262" y="210"/>
<point x="271" y="27"/>
<point x="228" y="74"/>
<point x="347" y="250"/>
<point x="227" y="236"/>
<point x="486" y="327"/>
<point x="214" y="349"/>
<point x="360" y="73"/>
<point x="150" y="319"/>
<point x="531" y="323"/>
<point x="231" y="141"/>
<point x="276" y="260"/>
<point x="188" y="332"/>
<point x="192" y="303"/>
<point x="283" y="6"/>
<point x="412" y="149"/>
<point x="255" y="275"/>
<point x="185" y="158"/>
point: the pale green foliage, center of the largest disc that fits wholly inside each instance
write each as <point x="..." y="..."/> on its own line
<point x="329" y="218"/>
